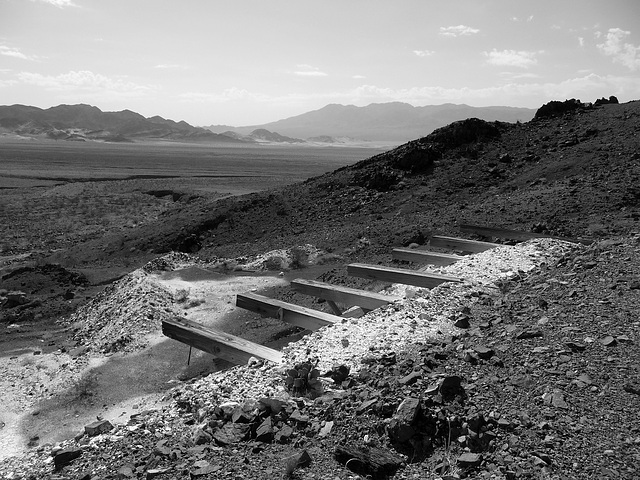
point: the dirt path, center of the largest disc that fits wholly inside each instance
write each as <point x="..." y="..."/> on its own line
<point x="51" y="395"/>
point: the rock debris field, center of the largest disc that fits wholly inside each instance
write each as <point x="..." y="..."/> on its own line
<point x="526" y="369"/>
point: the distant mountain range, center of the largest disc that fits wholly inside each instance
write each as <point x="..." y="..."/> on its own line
<point x="84" y="122"/>
<point x="393" y="122"/>
<point x="382" y="123"/>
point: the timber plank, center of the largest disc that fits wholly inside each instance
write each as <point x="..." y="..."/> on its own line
<point x="423" y="256"/>
<point x="287" y="312"/>
<point x="515" y="234"/>
<point x="222" y="345"/>
<point x="398" y="275"/>
<point x="349" y="296"/>
<point x="471" y="246"/>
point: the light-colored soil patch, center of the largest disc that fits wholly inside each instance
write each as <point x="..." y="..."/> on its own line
<point x="49" y="397"/>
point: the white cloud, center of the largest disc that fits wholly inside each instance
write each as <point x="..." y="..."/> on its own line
<point x="358" y="77"/>
<point x="533" y="94"/>
<point x="14" y="52"/>
<point x="581" y="41"/>
<point x="227" y="95"/>
<point x="305" y="70"/>
<point x="457" y="31"/>
<point x="626" y="54"/>
<point x="170" y="66"/>
<point x="83" y="82"/>
<point x="58" y="3"/>
<point x="511" y="58"/>
<point x="424" y="53"/>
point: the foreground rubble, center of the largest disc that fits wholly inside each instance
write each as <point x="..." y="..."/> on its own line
<point x="539" y="379"/>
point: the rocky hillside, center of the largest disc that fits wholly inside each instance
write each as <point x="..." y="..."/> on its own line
<point x="84" y="122"/>
<point x="574" y="174"/>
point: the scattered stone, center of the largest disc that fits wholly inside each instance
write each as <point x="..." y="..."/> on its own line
<point x="410" y="378"/>
<point x="632" y="388"/>
<point x="297" y="460"/>
<point x="200" y="437"/>
<point x="326" y="430"/>
<point x="201" y="468"/>
<point x="462" y="322"/>
<point x="98" y="427"/>
<point x="284" y="434"/>
<point x="156" y="472"/>
<point x="484" y="352"/>
<point x="369" y="461"/>
<point x="65" y="457"/>
<point x="467" y="460"/>
<point x="401" y="427"/>
<point x="365" y="405"/>
<point x="608" y="341"/>
<point x="232" y="433"/>
<point x="529" y="333"/>
<point x="265" y="433"/>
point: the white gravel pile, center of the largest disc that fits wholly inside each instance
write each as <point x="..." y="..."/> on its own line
<point x="423" y="315"/>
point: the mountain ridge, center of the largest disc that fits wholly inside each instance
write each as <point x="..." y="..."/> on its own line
<point x="84" y="122"/>
<point x="391" y="122"/>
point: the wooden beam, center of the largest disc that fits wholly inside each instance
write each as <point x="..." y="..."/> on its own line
<point x="222" y="345"/>
<point x="471" y="246"/>
<point x="346" y="295"/>
<point x="287" y="312"/>
<point x="515" y="234"/>
<point x="423" y="256"/>
<point x="398" y="275"/>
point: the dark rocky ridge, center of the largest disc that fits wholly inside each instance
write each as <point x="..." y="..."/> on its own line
<point x="572" y="175"/>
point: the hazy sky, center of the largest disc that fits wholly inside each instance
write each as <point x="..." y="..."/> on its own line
<point x="244" y="62"/>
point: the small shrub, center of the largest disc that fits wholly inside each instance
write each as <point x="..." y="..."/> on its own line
<point x="181" y="295"/>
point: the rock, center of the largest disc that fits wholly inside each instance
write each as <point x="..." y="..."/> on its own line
<point x="232" y="433"/>
<point x="14" y="299"/>
<point x="326" y="430"/>
<point x="451" y="386"/>
<point x="272" y="405"/>
<point x="410" y="378"/>
<point x="555" y="399"/>
<point x="65" y="457"/>
<point x="299" y="418"/>
<point x="297" y="460"/>
<point x="401" y="429"/>
<point x="156" y="472"/>
<point x="483" y="352"/>
<point x="125" y="472"/>
<point x="265" y="433"/>
<point x="467" y="460"/>
<point x="98" y="427"/>
<point x="632" y="388"/>
<point x="529" y="333"/>
<point x="462" y="322"/>
<point x="201" y="468"/>
<point x="608" y="341"/>
<point x="576" y="346"/>
<point x="542" y="456"/>
<point x="200" y="437"/>
<point x="365" y="405"/>
<point x="284" y="434"/>
<point x="370" y="462"/>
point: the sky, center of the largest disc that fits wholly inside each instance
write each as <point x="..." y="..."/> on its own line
<point x="249" y="62"/>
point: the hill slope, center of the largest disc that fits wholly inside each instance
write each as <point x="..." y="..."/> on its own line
<point x="572" y="175"/>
